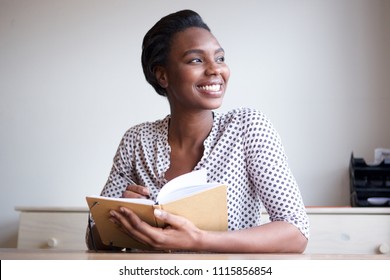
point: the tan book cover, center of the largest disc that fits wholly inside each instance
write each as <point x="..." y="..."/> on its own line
<point x="204" y="204"/>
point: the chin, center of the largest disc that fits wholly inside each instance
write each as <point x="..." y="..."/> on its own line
<point x="215" y="106"/>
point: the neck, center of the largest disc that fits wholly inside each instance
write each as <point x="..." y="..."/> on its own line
<point x="190" y="130"/>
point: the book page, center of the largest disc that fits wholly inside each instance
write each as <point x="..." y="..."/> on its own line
<point x="185" y="192"/>
<point x="184" y="185"/>
<point x="144" y="201"/>
<point x="179" y="187"/>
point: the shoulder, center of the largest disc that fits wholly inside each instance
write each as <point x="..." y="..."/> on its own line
<point x="249" y="123"/>
<point x="147" y="129"/>
<point x="244" y="117"/>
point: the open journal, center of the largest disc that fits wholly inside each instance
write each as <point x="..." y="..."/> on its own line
<point x="188" y="195"/>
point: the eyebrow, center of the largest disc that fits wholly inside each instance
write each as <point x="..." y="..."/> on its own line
<point x="198" y="51"/>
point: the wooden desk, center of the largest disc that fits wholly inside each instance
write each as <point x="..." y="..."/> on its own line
<point x="43" y="254"/>
<point x="333" y="230"/>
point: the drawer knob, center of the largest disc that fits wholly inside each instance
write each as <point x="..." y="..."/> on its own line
<point x="52" y="242"/>
<point x="384" y="248"/>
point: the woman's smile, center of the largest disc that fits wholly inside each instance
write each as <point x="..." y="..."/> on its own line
<point x="196" y="73"/>
<point x="211" y="88"/>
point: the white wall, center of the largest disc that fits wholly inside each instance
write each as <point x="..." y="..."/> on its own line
<point x="71" y="84"/>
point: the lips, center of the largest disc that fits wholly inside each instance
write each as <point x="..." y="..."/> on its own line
<point x="213" y="87"/>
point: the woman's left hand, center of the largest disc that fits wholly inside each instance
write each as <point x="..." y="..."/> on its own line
<point x="179" y="234"/>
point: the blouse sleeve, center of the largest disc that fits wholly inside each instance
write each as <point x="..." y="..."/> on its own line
<point x="271" y="175"/>
<point x="121" y="174"/>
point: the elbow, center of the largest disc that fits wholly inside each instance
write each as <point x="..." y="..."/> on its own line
<point x="294" y="241"/>
<point x="301" y="245"/>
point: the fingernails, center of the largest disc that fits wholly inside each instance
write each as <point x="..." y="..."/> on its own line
<point x="157" y="212"/>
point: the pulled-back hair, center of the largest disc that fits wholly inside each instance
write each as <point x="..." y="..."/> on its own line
<point x="157" y="42"/>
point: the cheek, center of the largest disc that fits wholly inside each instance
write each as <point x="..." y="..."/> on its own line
<point x="186" y="77"/>
<point x="226" y="73"/>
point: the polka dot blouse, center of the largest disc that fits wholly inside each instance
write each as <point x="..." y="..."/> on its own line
<point x="243" y="151"/>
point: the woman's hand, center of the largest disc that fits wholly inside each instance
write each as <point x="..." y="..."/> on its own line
<point x="179" y="234"/>
<point x="136" y="191"/>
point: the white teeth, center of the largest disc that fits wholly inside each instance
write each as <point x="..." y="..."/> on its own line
<point x="211" y="87"/>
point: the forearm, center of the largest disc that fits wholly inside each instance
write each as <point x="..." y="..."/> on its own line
<point x="274" y="237"/>
<point x="181" y="234"/>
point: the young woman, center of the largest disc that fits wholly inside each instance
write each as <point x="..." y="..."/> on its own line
<point x="183" y="61"/>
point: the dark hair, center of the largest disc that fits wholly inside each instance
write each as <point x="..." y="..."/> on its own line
<point x="157" y="42"/>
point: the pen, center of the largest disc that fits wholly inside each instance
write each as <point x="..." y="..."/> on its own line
<point x="128" y="180"/>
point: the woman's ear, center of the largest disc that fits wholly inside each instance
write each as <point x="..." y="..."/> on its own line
<point x="161" y="76"/>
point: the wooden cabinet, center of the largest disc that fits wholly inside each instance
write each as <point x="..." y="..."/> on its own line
<point x="349" y="230"/>
<point x="333" y="230"/>
<point x="52" y="228"/>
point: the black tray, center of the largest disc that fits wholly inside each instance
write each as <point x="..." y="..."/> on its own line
<point x="369" y="184"/>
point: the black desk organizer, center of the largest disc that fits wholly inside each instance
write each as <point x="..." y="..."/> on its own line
<point x="368" y="182"/>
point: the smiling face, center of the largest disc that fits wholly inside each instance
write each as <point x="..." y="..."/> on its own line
<point x="195" y="76"/>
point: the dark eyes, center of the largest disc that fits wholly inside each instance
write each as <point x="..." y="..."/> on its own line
<point x="219" y="59"/>
<point x="196" y="60"/>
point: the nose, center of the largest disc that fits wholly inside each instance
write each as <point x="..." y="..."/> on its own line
<point x="214" y="68"/>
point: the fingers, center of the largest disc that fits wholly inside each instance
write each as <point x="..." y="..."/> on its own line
<point x="130" y="223"/>
<point x="136" y="191"/>
<point x="179" y="232"/>
<point x="173" y="221"/>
